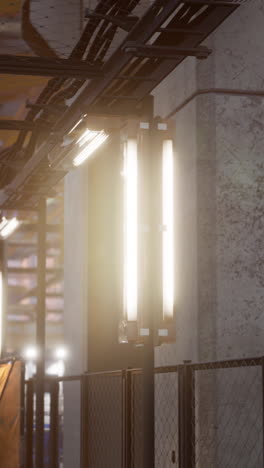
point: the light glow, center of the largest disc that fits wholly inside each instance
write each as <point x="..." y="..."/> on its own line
<point x="61" y="353"/>
<point x="168" y="229"/>
<point x="30" y="353"/>
<point x="91" y="140"/>
<point x="57" y="368"/>
<point x="8" y="226"/>
<point x="75" y="126"/>
<point x="131" y="230"/>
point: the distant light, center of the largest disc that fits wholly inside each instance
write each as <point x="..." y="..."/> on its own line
<point x="75" y="126"/>
<point x="91" y="140"/>
<point x="57" y="368"/>
<point x="30" y="353"/>
<point x="61" y="353"/>
<point x="8" y="226"/>
<point x="131" y="230"/>
<point x="168" y="229"/>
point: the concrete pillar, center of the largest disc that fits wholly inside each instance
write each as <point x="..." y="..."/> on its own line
<point x="75" y="310"/>
<point x="220" y="214"/>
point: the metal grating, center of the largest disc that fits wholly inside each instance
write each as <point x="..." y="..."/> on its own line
<point x="166" y="420"/>
<point x="104" y="407"/>
<point x="228" y="419"/>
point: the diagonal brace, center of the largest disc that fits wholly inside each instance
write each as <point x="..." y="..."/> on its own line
<point x="142" y="50"/>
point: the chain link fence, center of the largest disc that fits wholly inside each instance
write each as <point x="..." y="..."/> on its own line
<point x="227" y="409"/>
<point x="206" y="416"/>
<point x="166" y="418"/>
<point x="104" y="412"/>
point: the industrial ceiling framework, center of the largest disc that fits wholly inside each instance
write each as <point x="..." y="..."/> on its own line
<point x="100" y="75"/>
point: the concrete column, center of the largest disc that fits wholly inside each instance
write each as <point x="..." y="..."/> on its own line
<point x="76" y="308"/>
<point x="219" y="219"/>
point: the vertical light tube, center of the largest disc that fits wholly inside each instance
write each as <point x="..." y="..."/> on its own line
<point x="168" y="229"/>
<point x="131" y="230"/>
<point x="1" y="312"/>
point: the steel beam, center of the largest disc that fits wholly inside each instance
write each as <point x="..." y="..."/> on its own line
<point x="33" y="227"/>
<point x="29" y="271"/>
<point x="140" y="50"/>
<point x="208" y="24"/>
<point x="17" y="125"/>
<point x="214" y="3"/>
<point x="126" y="23"/>
<point x="114" y="67"/>
<point x="41" y="334"/>
<point x="43" y="66"/>
<point x="190" y="31"/>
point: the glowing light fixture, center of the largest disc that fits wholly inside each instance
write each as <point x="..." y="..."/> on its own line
<point x="30" y="353"/>
<point x="168" y="229"/>
<point x="61" y="353"/>
<point x="131" y="230"/>
<point x="8" y="226"/>
<point x="75" y="126"/>
<point x="90" y="141"/>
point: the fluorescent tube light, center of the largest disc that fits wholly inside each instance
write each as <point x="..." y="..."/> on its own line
<point x="8" y="226"/>
<point x="131" y="230"/>
<point x="168" y="229"/>
<point x="90" y="141"/>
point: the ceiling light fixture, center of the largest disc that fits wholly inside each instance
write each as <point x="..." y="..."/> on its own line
<point x="91" y="140"/>
<point x="8" y="226"/>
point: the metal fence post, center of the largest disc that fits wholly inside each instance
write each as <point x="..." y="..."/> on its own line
<point x="41" y="334"/>
<point x="84" y="421"/>
<point x="127" y="419"/>
<point x="54" y="424"/>
<point x="186" y="417"/>
<point x="148" y="404"/>
<point x="29" y="423"/>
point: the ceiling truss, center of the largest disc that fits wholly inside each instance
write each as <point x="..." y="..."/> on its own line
<point x="155" y="44"/>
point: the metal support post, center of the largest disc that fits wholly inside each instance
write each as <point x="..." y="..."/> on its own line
<point x="127" y="419"/>
<point x="150" y="308"/>
<point x="148" y="404"/>
<point x="54" y="424"/>
<point x="186" y="417"/>
<point x="84" y="420"/>
<point x="29" y="423"/>
<point x="41" y="317"/>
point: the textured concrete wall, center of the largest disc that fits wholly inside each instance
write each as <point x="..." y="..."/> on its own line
<point x="224" y="229"/>
<point x="59" y="22"/>
<point x="220" y="242"/>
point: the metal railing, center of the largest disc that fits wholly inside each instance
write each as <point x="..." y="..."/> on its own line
<point x="206" y="415"/>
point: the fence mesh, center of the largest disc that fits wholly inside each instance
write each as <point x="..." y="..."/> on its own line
<point x="228" y="417"/>
<point x="166" y="420"/>
<point x="104" y="417"/>
<point x="215" y="410"/>
<point x="137" y="420"/>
